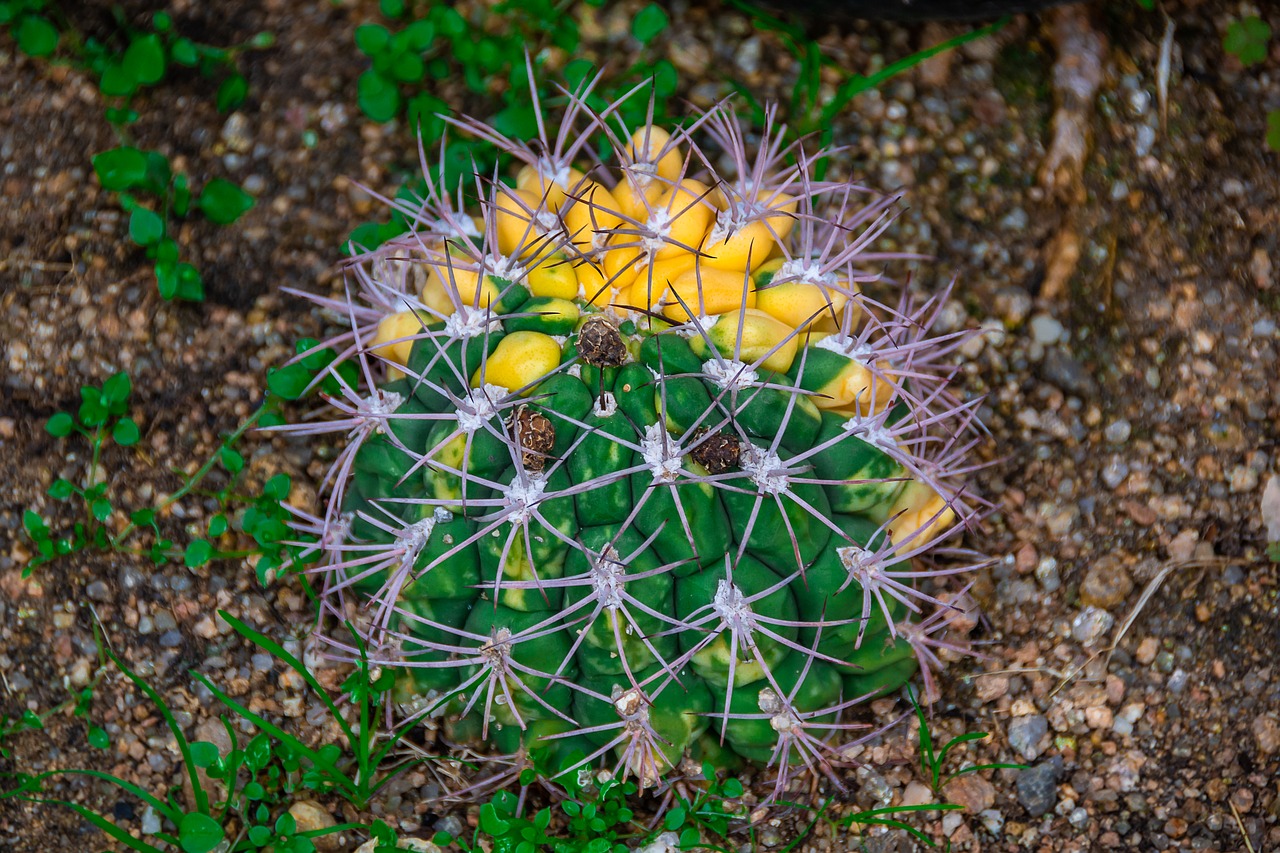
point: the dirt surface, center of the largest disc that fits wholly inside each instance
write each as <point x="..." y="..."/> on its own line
<point x="1131" y="619"/>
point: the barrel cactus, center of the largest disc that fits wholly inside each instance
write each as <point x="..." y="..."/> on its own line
<point x="634" y="470"/>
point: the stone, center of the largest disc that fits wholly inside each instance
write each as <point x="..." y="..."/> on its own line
<point x="1037" y="787"/>
<point x="310" y="816"/>
<point x="1027" y="735"/>
<point x="971" y="791"/>
<point x="916" y="794"/>
<point x="1118" y="431"/>
<point x="1106" y="584"/>
<point x="1271" y="508"/>
<point x="420" y="845"/>
<point x="1045" y="330"/>
<point x="1091" y="625"/>
<point x="1266" y="731"/>
<point x="1099" y="717"/>
<point x="1065" y="371"/>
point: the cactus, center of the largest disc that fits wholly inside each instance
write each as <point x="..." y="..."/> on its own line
<point x="634" y="469"/>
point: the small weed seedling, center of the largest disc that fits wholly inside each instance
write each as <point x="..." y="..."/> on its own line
<point x="933" y="760"/>
<point x="262" y="517"/>
<point x="130" y="59"/>
<point x="125" y="63"/>
<point x="1249" y="40"/>
<point x="359" y="773"/>
<point x="134" y="174"/>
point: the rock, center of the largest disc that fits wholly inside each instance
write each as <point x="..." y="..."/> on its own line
<point x="1146" y="652"/>
<point x="1037" y="787"/>
<point x="1045" y="330"/>
<point x="992" y="821"/>
<point x="971" y="791"/>
<point x="1027" y="735"/>
<point x="98" y="591"/>
<point x="235" y="133"/>
<point x="667" y="842"/>
<point x="1183" y="546"/>
<point x="1118" y="431"/>
<point x="1065" y="371"/>
<point x="1091" y="625"/>
<point x="689" y="54"/>
<point x="311" y="817"/>
<point x="1266" y="731"/>
<point x="1271" y="508"/>
<point x="991" y="687"/>
<point x="916" y="794"/>
<point x="1098" y="717"/>
<point x="420" y="845"/>
<point x="1242" y="478"/>
<point x="1106" y="584"/>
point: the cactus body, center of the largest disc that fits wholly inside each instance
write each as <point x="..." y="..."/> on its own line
<point x="636" y="465"/>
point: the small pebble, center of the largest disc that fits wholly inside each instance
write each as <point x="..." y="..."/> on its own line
<point x="1045" y="330"/>
<point x="1090" y="625"/>
<point x="1266" y="731"/>
<point x="1047" y="574"/>
<point x="1037" y="787"/>
<point x="1027" y="735"/>
<point x="1106" y="584"/>
<point x="1117" y="432"/>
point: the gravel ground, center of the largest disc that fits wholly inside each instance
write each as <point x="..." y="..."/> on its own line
<point x="1129" y="295"/>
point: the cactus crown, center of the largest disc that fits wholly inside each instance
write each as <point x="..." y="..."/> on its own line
<point x="635" y="470"/>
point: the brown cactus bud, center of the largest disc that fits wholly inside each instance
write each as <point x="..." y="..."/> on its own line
<point x="717" y="453"/>
<point x="536" y="436"/>
<point x="600" y="343"/>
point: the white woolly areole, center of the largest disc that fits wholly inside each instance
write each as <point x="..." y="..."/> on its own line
<point x="660" y="454"/>
<point x="574" y="370"/>
<point x="861" y="564"/>
<point x="522" y="496"/>
<point x="413" y="539"/>
<point x="549" y="170"/>
<point x="699" y="326"/>
<point x="657" y="228"/>
<point x="731" y="374"/>
<point x="379" y="405"/>
<point x="733" y="608"/>
<point x="872" y="431"/>
<point x="804" y="271"/>
<point x="847" y="347"/>
<point x="608" y="577"/>
<point x="502" y="266"/>
<point x="468" y="322"/>
<point x="728" y="222"/>
<point x="642" y="174"/>
<point x="765" y="469"/>
<point x="606" y="405"/>
<point x="478" y="406"/>
<point x="334" y="535"/>
<point x="545" y="222"/>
